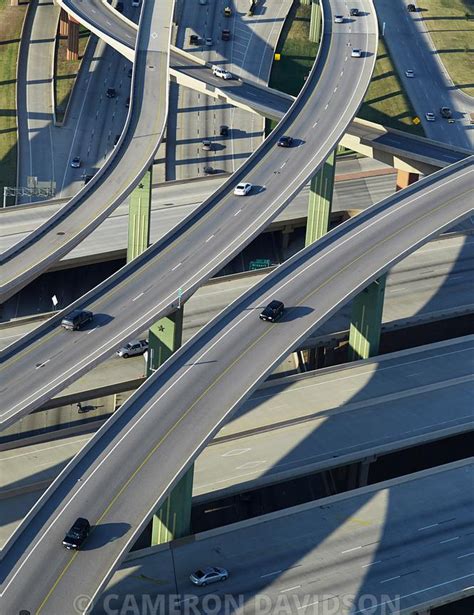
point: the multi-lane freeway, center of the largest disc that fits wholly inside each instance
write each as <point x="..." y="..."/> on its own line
<point x="132" y="156"/>
<point x="192" y="252"/>
<point x="160" y="430"/>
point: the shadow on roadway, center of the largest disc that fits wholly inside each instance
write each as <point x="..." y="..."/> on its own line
<point x="103" y="534"/>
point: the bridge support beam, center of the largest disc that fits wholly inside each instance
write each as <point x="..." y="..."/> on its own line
<point x="165" y="337"/>
<point x="315" y="23"/>
<point x="63" y="23"/>
<point x="173" y="518"/>
<point x="405" y="179"/>
<point x="320" y="200"/>
<point x="366" y="321"/>
<point x="367" y="308"/>
<point x="139" y="214"/>
<point x="72" y="52"/>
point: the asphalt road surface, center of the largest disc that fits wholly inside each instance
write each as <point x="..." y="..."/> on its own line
<point x="161" y="429"/>
<point x="131" y="300"/>
<point x="133" y="154"/>
<point x="363" y="553"/>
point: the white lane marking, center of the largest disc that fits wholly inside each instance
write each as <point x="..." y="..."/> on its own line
<point x="289" y="589"/>
<point x="42" y="364"/>
<point x="236" y="451"/>
<point x="326" y="106"/>
<point x="138" y="296"/>
<point x="237" y="213"/>
<point x="427" y="527"/>
<point x="315" y="124"/>
<point x="209" y="238"/>
<point x="37" y="451"/>
<point x="270" y="574"/>
<point x="335" y="89"/>
<point x="251" y="464"/>
<point x="92" y="330"/>
<point x="415" y="593"/>
<point x="305" y="606"/>
<point x="465" y="555"/>
<point x="442" y="542"/>
<point x="282" y="165"/>
<point x="176" y="266"/>
<point x="377" y="561"/>
<point x="390" y="579"/>
<point x="353" y="549"/>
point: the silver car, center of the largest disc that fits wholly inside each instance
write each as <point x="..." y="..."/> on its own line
<point x="133" y="348"/>
<point x="210" y="574"/>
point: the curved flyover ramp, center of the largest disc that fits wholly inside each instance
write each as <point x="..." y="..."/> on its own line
<point x="132" y="156"/>
<point x="45" y="361"/>
<point x="157" y="433"/>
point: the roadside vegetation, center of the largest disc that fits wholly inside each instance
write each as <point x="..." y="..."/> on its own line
<point x="451" y="26"/>
<point x="385" y="103"/>
<point x="11" y="21"/>
<point x="297" y="52"/>
<point x="66" y="70"/>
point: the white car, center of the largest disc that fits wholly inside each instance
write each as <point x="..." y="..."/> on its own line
<point x="218" y="71"/>
<point x="430" y="117"/>
<point x="242" y="189"/>
<point x="209" y="41"/>
<point x="76" y="162"/>
<point x="338" y="19"/>
<point x="356" y="53"/>
<point x="409" y="73"/>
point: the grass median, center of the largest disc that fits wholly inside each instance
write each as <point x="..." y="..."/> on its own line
<point x="450" y="24"/>
<point x="386" y="101"/>
<point x="11" y="21"/>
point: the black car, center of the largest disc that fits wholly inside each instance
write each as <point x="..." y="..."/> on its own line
<point x="411" y="8"/>
<point x="119" y="7"/>
<point x="225" y="35"/>
<point x="111" y="93"/>
<point x="224" y="131"/>
<point x="116" y="140"/>
<point x="446" y="112"/>
<point x="127" y="102"/>
<point x="285" y="142"/>
<point x="77" y="534"/>
<point x="354" y="12"/>
<point x="194" y="39"/>
<point x="76" y="319"/>
<point x="273" y="311"/>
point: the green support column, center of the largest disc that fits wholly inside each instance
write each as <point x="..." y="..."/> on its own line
<point x="164" y="338"/>
<point x="173" y="519"/>
<point x="139" y="217"/>
<point x="315" y="23"/>
<point x="320" y="200"/>
<point x="366" y="321"/>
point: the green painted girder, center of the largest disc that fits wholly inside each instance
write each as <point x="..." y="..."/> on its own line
<point x="320" y="200"/>
<point x="366" y="321"/>
<point x="139" y="217"/>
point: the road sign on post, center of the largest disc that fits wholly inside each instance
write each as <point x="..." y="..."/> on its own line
<point x="180" y="294"/>
<point x="55" y="301"/>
